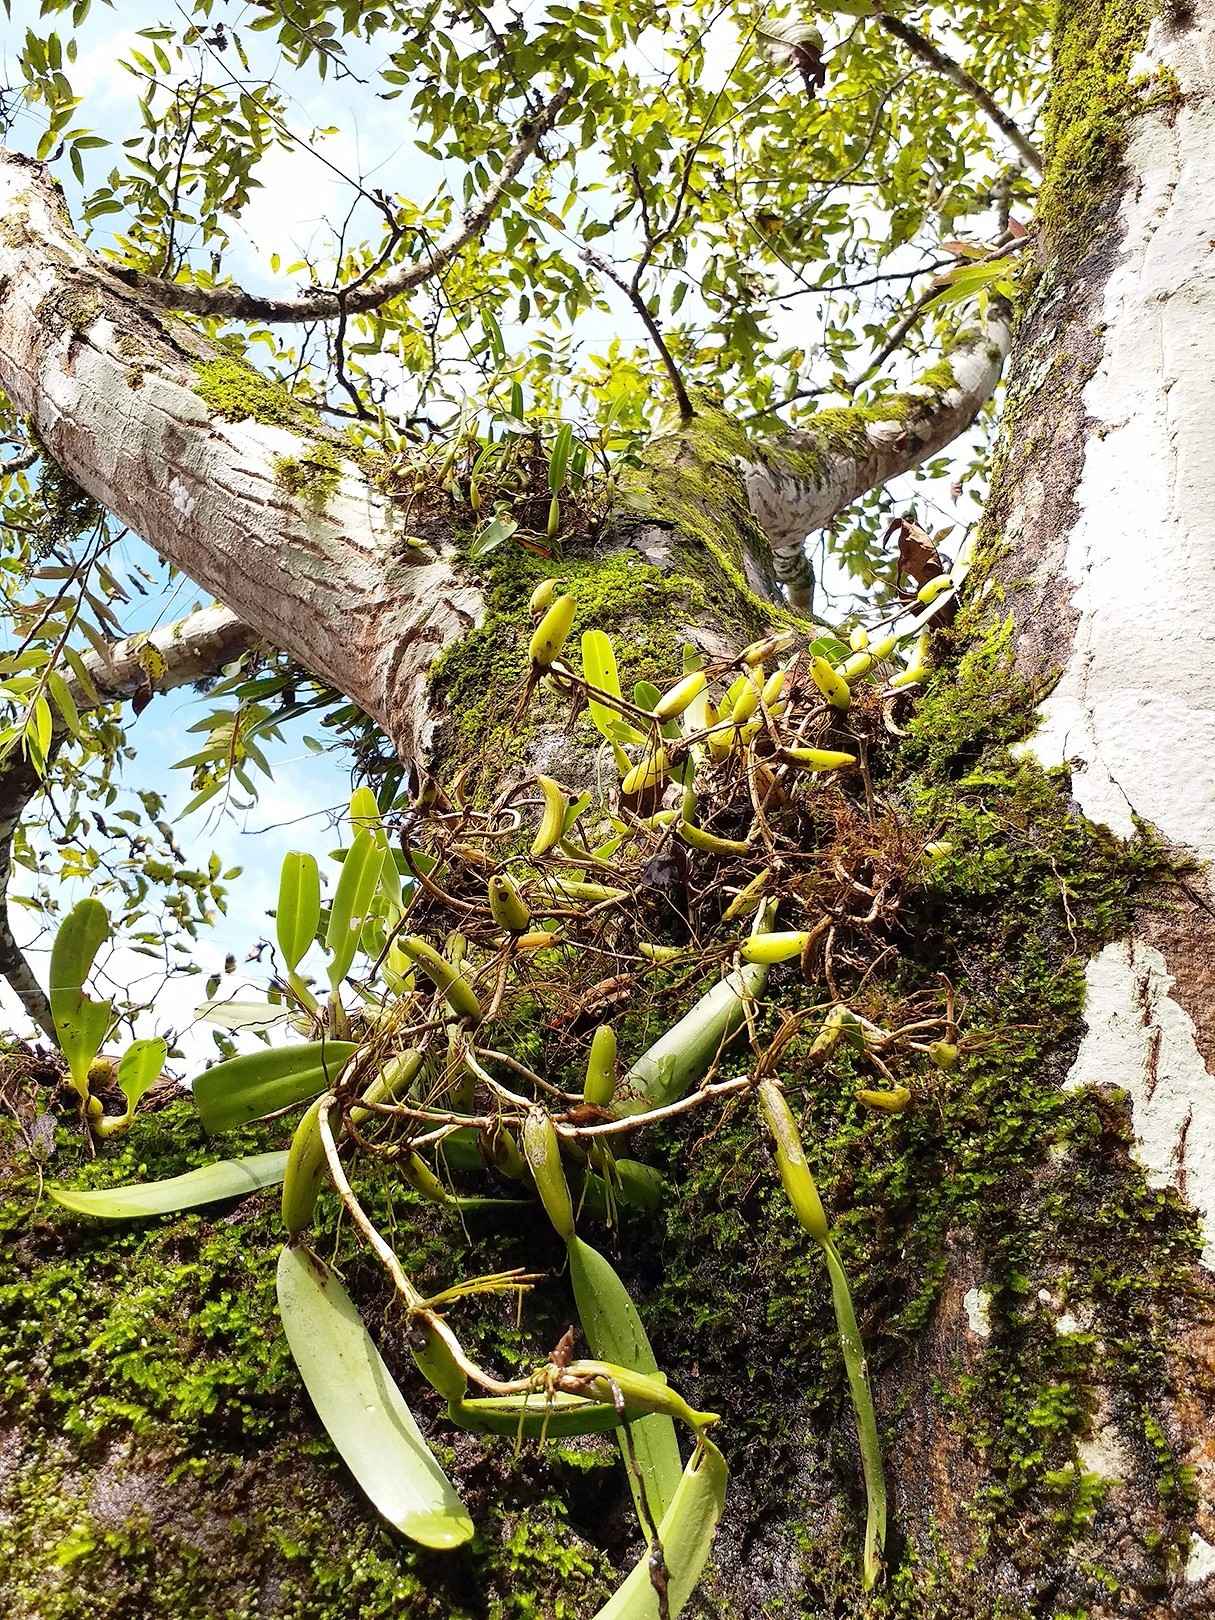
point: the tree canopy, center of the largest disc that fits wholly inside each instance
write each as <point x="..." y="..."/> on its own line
<point x="746" y="207"/>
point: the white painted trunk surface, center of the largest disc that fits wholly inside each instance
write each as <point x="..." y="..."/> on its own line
<point x="1134" y="633"/>
<point x="1134" y="712"/>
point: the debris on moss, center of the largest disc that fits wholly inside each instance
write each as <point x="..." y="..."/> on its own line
<point x="313" y="478"/>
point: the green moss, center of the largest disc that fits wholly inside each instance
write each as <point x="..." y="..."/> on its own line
<point x="160" y="1456"/>
<point x="237" y="392"/>
<point x="689" y="481"/>
<point x="1094" y="99"/>
<point x="67" y="511"/>
<point x="689" y="487"/>
<point x="994" y="1159"/>
<point x="313" y="478"/>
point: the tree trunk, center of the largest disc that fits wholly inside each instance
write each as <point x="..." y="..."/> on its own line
<point x="1105" y="515"/>
<point x="1030" y="1244"/>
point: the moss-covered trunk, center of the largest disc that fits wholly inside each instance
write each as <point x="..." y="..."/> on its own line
<point x="1035" y="1313"/>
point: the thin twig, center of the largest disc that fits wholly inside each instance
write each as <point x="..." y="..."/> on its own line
<point x="920" y="45"/>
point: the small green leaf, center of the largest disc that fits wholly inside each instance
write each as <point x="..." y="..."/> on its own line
<point x="686" y="1532"/>
<point x="39" y="729"/>
<point x="64" y="701"/>
<point x="258" y="1083"/>
<point x="356" y="887"/>
<point x="361" y="1407"/>
<point x="599" y="668"/>
<point x="80" y="1024"/>
<point x="491" y="535"/>
<point x="559" y="460"/>
<point x="140" y="1068"/>
<point x="299" y="906"/>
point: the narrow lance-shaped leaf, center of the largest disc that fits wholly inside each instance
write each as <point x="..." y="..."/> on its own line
<point x="361" y="1407"/>
<point x="299" y="906"/>
<point x="365" y="815"/>
<point x="866" y="1419"/>
<point x="559" y="460"/>
<point x="686" y="1532"/>
<point x="615" y="1333"/>
<point x="258" y="1083"/>
<point x="356" y="886"/>
<point x="80" y="1023"/>
<point x="228" y="1178"/>
<point x="140" y="1068"/>
<point x="599" y="668"/>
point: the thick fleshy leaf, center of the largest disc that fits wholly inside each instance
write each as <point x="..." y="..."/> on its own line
<point x="361" y="1407"/>
<point x="599" y="668"/>
<point x="80" y="1023"/>
<point x="258" y="1083"/>
<point x="140" y="1068"/>
<point x="681" y="1057"/>
<point x="228" y="1178"/>
<point x="615" y="1333"/>
<point x="356" y="887"/>
<point x="866" y="1419"/>
<point x="365" y="814"/>
<point x="686" y="1532"/>
<point x="299" y="906"/>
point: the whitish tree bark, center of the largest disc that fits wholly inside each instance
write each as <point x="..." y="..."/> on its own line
<point x="1108" y="512"/>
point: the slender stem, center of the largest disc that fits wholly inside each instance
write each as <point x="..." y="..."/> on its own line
<point x="866" y="1420"/>
<point x="234" y="303"/>
<point x="634" y="296"/>
<point x="378" y="1242"/>
<point x="920" y="45"/>
<point x="636" y="1122"/>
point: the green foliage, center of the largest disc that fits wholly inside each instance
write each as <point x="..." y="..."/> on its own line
<point x="80" y="1023"/>
<point x="361" y="1407"/>
<point x="732" y="184"/>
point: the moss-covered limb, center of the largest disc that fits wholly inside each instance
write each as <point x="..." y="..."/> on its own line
<point x="673" y="565"/>
<point x="1096" y="93"/>
<point x="798" y="480"/>
<point x="312" y="477"/>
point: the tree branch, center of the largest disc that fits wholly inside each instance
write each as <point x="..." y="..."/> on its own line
<point x="802" y="478"/>
<point x="635" y="297"/>
<point x="224" y="472"/>
<point x="920" y="45"/>
<point x="188" y="649"/>
<point x="234" y="303"/>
